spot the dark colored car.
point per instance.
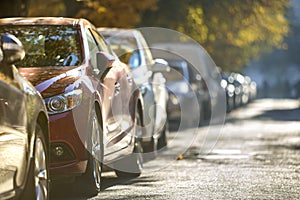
(184, 105)
(229, 90)
(206, 77)
(133, 50)
(93, 104)
(24, 130)
(241, 93)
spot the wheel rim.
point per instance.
(138, 133)
(138, 145)
(40, 171)
(96, 152)
(139, 160)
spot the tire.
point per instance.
(163, 140)
(38, 184)
(207, 112)
(132, 165)
(202, 115)
(91, 181)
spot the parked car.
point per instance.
(229, 90)
(24, 130)
(93, 103)
(242, 90)
(184, 104)
(237, 90)
(133, 50)
(205, 72)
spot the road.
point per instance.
(256, 156)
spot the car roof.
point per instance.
(42, 21)
(118, 31)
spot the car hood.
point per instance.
(51, 81)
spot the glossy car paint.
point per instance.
(183, 103)
(152, 85)
(109, 90)
(21, 108)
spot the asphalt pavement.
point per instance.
(254, 155)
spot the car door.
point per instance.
(143, 77)
(117, 88)
(13, 137)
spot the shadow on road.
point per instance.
(113, 181)
(280, 115)
(72, 191)
(267, 109)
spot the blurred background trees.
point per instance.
(105, 13)
(234, 32)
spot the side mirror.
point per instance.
(161, 65)
(12, 48)
(104, 60)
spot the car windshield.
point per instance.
(47, 45)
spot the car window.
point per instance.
(101, 42)
(145, 50)
(177, 72)
(93, 49)
(47, 45)
(126, 49)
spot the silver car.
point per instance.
(24, 130)
(131, 47)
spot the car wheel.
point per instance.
(150, 149)
(92, 179)
(38, 182)
(163, 140)
(132, 165)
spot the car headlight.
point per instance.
(223, 83)
(63, 102)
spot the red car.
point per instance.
(92, 101)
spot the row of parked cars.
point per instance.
(72, 107)
(76, 99)
(240, 89)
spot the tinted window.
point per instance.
(47, 45)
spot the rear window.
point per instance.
(47, 45)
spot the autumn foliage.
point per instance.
(234, 32)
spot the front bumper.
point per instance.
(68, 141)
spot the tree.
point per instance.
(11, 8)
(232, 31)
(116, 13)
